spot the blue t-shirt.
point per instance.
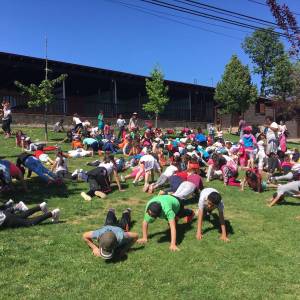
(89, 141)
(200, 137)
(119, 233)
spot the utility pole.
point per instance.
(46, 78)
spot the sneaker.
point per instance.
(135, 183)
(85, 196)
(55, 215)
(75, 173)
(100, 194)
(44, 207)
(10, 202)
(21, 206)
(189, 219)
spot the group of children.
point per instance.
(181, 161)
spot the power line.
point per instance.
(176, 16)
(208, 16)
(147, 11)
(264, 4)
(226, 12)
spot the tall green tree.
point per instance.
(41, 95)
(157, 93)
(264, 48)
(281, 81)
(235, 92)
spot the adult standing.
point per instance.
(121, 125)
(100, 121)
(242, 125)
(6, 118)
(271, 129)
(133, 122)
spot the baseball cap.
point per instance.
(107, 244)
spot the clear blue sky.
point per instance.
(104, 34)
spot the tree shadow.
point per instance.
(39, 191)
(181, 230)
(214, 220)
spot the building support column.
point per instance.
(190, 105)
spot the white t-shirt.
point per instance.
(6, 114)
(203, 199)
(170, 170)
(61, 167)
(78, 153)
(121, 122)
(108, 166)
(2, 217)
(270, 135)
(76, 120)
(260, 145)
(149, 162)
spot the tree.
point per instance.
(235, 92)
(264, 48)
(286, 20)
(41, 95)
(281, 80)
(157, 93)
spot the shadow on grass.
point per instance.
(289, 203)
(118, 258)
(181, 230)
(214, 220)
(39, 191)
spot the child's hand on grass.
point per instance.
(174, 248)
(96, 252)
(142, 241)
(199, 236)
(224, 238)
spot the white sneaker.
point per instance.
(44, 207)
(21, 206)
(74, 173)
(85, 196)
(100, 194)
(55, 215)
(10, 202)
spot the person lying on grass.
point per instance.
(13, 216)
(114, 239)
(169, 208)
(209, 200)
(291, 188)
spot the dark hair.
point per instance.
(215, 198)
(155, 208)
(40, 147)
(269, 118)
(251, 175)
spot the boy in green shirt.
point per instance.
(169, 208)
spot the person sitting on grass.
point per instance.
(291, 189)
(59, 126)
(114, 239)
(12, 218)
(169, 208)
(209, 200)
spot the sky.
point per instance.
(106, 34)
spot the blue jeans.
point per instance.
(37, 167)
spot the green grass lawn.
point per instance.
(261, 261)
